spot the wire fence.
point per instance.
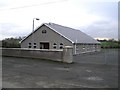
(105, 56)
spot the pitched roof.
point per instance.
(73, 35)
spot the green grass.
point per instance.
(110, 45)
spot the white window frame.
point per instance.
(34, 45)
(54, 45)
(29, 45)
(83, 47)
(61, 45)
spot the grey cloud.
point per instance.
(102, 29)
(9, 29)
(105, 9)
(108, 26)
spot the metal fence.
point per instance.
(105, 56)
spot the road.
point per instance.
(36, 73)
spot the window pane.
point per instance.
(61, 44)
(54, 47)
(44, 31)
(61, 47)
(54, 44)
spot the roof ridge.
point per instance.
(63, 26)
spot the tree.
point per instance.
(11, 42)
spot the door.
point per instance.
(44, 45)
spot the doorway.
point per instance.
(44, 45)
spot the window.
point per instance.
(61, 45)
(54, 45)
(93, 46)
(29, 45)
(44, 31)
(34, 45)
(98, 46)
(77, 49)
(87, 48)
(83, 46)
(41, 47)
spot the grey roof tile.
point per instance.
(74, 35)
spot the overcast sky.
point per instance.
(97, 18)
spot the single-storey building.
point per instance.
(54, 36)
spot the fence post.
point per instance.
(68, 54)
